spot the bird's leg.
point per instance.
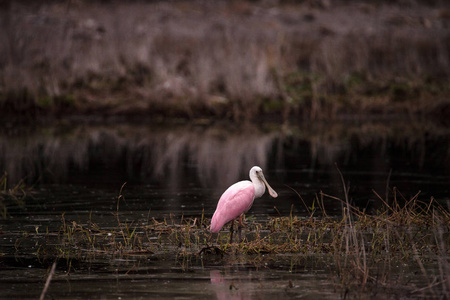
(231, 232)
(242, 220)
(240, 227)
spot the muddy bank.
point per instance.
(235, 60)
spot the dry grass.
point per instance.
(12, 195)
(396, 230)
(233, 60)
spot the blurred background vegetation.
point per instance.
(237, 60)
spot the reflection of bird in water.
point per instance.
(238, 199)
(226, 289)
(216, 277)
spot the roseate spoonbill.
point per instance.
(238, 199)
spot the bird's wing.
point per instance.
(237, 199)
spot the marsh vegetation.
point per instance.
(235, 60)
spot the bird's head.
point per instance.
(258, 173)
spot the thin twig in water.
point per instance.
(120, 196)
(345, 195)
(47, 283)
(387, 186)
(355, 210)
(382, 200)
(303, 201)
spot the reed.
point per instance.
(14, 195)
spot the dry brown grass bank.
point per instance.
(229, 59)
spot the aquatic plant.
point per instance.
(14, 196)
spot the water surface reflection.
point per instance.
(160, 155)
(411, 156)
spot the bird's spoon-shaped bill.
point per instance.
(271, 190)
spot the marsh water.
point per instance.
(78, 169)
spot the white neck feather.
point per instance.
(260, 187)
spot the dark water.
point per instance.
(185, 168)
(181, 170)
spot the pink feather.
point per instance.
(236, 200)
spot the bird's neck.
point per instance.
(260, 188)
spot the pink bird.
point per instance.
(238, 199)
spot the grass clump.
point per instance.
(14, 196)
(397, 230)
